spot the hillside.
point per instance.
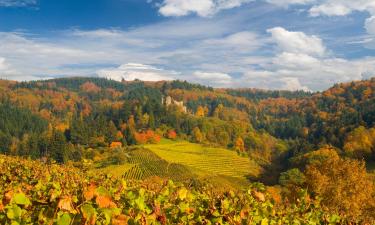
(290, 141)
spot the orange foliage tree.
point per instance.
(239, 144)
(344, 186)
(172, 134)
(145, 137)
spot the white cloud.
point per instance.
(297, 42)
(202, 8)
(342, 7)
(319, 74)
(293, 84)
(3, 65)
(17, 3)
(286, 3)
(100, 33)
(295, 61)
(241, 41)
(132, 71)
(330, 10)
(221, 51)
(212, 78)
(302, 64)
(370, 25)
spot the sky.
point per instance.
(273, 44)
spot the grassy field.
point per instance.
(181, 160)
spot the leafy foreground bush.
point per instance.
(34, 193)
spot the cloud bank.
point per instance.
(217, 50)
(202, 8)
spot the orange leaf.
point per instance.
(66, 204)
(89, 194)
(105, 202)
(120, 220)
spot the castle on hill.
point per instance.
(168, 101)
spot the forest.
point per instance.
(299, 157)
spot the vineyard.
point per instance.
(181, 161)
(36, 193)
(148, 164)
(207, 160)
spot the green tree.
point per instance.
(58, 147)
(197, 135)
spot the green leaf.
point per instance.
(264, 221)
(21, 199)
(14, 213)
(334, 219)
(216, 213)
(140, 203)
(102, 191)
(108, 215)
(64, 219)
(182, 193)
(88, 211)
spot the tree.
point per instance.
(111, 134)
(343, 184)
(292, 177)
(239, 145)
(360, 143)
(58, 147)
(223, 137)
(151, 121)
(200, 111)
(197, 135)
(78, 132)
(319, 156)
(90, 87)
(292, 181)
(172, 134)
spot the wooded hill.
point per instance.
(323, 141)
(96, 111)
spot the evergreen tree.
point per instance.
(58, 147)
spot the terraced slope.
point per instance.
(206, 160)
(146, 164)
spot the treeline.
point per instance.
(257, 95)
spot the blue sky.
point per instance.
(273, 44)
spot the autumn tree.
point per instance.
(239, 145)
(343, 185)
(360, 143)
(197, 135)
(321, 155)
(172, 134)
(145, 137)
(130, 131)
(200, 111)
(90, 87)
